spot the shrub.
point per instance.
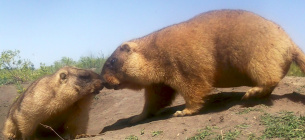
(14, 70)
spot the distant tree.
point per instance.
(13, 68)
(66, 61)
(92, 62)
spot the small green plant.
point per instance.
(230, 135)
(243, 126)
(295, 71)
(142, 131)
(156, 133)
(250, 109)
(132, 137)
(203, 133)
(254, 137)
(20, 88)
(284, 125)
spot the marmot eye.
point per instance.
(112, 61)
(84, 75)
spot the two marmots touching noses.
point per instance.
(222, 48)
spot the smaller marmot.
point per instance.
(61, 100)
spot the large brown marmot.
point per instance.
(61, 100)
(225, 48)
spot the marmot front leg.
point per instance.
(10, 129)
(76, 127)
(27, 125)
(157, 96)
(78, 120)
(193, 100)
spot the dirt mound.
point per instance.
(223, 109)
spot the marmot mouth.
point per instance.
(116, 87)
(97, 91)
(108, 86)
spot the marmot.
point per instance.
(222, 48)
(61, 100)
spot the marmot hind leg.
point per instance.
(258, 92)
(266, 79)
(157, 96)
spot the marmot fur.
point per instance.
(222, 48)
(61, 100)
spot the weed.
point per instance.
(132, 137)
(250, 109)
(20, 88)
(243, 126)
(283, 125)
(156, 133)
(295, 71)
(253, 137)
(142, 131)
(203, 133)
(231, 135)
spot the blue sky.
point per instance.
(45, 31)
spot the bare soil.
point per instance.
(112, 109)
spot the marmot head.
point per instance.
(82, 81)
(123, 68)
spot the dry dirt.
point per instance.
(111, 111)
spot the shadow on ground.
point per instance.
(214, 103)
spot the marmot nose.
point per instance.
(107, 85)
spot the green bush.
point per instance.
(14, 70)
(295, 71)
(92, 62)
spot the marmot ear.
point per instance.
(125, 47)
(63, 76)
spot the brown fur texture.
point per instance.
(61, 100)
(223, 48)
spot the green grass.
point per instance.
(243, 126)
(142, 132)
(249, 109)
(156, 133)
(230, 135)
(254, 137)
(208, 133)
(295, 71)
(132, 137)
(284, 125)
(20, 88)
(203, 133)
